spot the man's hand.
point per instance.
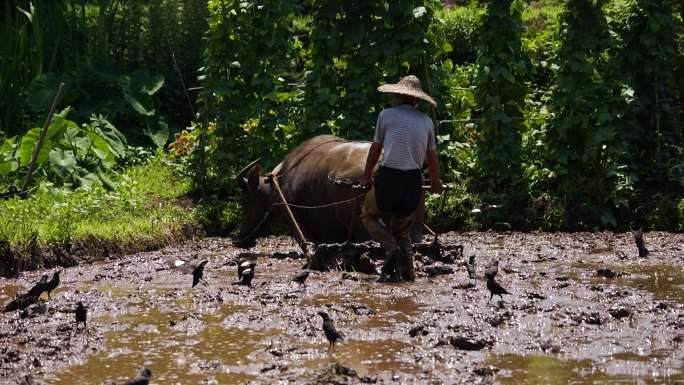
(436, 186)
(373, 156)
(366, 180)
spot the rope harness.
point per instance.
(274, 204)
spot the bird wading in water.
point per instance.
(198, 273)
(81, 314)
(331, 334)
(143, 378)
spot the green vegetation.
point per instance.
(143, 211)
(564, 115)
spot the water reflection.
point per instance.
(177, 349)
(8, 292)
(663, 281)
(548, 370)
(367, 357)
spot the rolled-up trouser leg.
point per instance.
(401, 228)
(370, 217)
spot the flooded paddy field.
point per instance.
(563, 324)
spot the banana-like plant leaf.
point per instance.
(28, 142)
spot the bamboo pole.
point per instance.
(41, 139)
(301, 241)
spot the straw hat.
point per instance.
(408, 85)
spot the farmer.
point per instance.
(407, 137)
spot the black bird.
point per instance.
(22, 301)
(244, 264)
(53, 283)
(39, 288)
(143, 378)
(81, 314)
(301, 277)
(494, 288)
(492, 270)
(198, 273)
(331, 334)
(246, 276)
(471, 266)
(641, 246)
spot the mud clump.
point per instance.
(620, 312)
(435, 270)
(607, 273)
(465, 343)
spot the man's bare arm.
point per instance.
(371, 161)
(433, 166)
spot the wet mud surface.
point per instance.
(564, 322)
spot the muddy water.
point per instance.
(665, 282)
(563, 324)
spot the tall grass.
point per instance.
(143, 207)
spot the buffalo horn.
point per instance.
(239, 177)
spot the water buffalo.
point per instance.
(305, 177)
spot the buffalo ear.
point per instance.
(253, 177)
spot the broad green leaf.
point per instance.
(82, 144)
(160, 136)
(7, 167)
(28, 142)
(141, 103)
(87, 181)
(113, 137)
(145, 82)
(63, 163)
(137, 89)
(102, 150)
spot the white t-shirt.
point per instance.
(405, 134)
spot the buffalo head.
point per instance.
(256, 199)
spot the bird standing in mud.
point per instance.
(494, 288)
(52, 284)
(246, 276)
(492, 270)
(143, 378)
(245, 272)
(81, 314)
(639, 240)
(301, 277)
(39, 287)
(471, 267)
(22, 301)
(331, 334)
(198, 273)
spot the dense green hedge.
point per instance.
(567, 114)
(96, 47)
